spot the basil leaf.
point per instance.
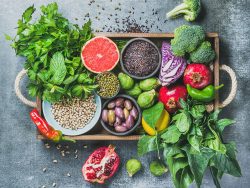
(58, 68)
(222, 123)
(153, 114)
(172, 135)
(147, 144)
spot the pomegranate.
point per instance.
(101, 164)
(170, 97)
(197, 75)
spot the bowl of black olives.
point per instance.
(121, 115)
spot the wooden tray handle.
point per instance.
(233, 91)
(19, 77)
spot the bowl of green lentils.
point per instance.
(109, 85)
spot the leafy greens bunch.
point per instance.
(52, 46)
(192, 143)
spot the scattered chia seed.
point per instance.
(140, 58)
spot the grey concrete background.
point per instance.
(22, 157)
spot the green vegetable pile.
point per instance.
(192, 143)
(51, 46)
(191, 40)
(144, 91)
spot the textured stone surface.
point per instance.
(22, 157)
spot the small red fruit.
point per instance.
(101, 164)
(170, 97)
(197, 75)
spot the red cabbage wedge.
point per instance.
(172, 67)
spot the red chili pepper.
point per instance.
(45, 129)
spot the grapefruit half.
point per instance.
(100, 54)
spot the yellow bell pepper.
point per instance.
(161, 124)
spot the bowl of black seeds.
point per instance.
(140, 58)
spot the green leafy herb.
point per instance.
(51, 46)
(192, 143)
(120, 43)
(172, 135)
(147, 144)
(152, 115)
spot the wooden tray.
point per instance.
(99, 133)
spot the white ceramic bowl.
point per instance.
(47, 112)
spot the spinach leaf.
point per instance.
(198, 163)
(227, 162)
(197, 111)
(172, 135)
(183, 121)
(222, 123)
(194, 141)
(187, 178)
(216, 176)
(153, 114)
(147, 144)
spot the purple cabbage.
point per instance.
(172, 67)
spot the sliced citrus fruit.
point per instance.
(100, 54)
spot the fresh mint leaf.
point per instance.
(172, 135)
(27, 15)
(58, 68)
(70, 79)
(32, 89)
(153, 114)
(50, 34)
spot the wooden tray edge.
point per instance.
(149, 35)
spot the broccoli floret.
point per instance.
(187, 39)
(203, 54)
(189, 8)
